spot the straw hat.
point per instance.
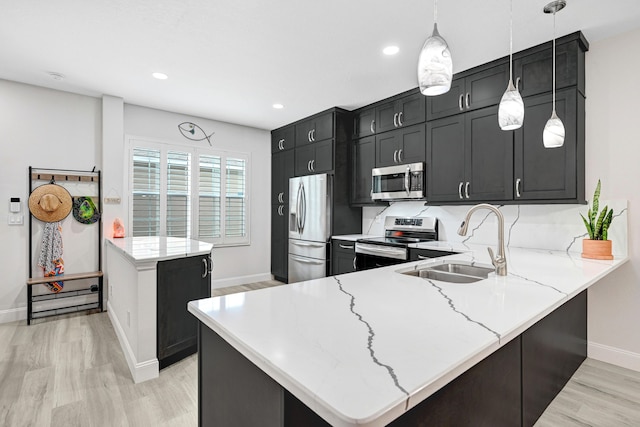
(50, 203)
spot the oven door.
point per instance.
(370, 256)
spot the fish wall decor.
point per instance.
(194, 132)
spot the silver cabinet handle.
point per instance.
(309, 165)
(206, 268)
(281, 144)
(423, 257)
(395, 120)
(518, 83)
(345, 246)
(313, 135)
(400, 118)
(460, 190)
(395, 156)
(400, 156)
(313, 165)
(467, 100)
(460, 102)
(466, 190)
(518, 181)
(373, 128)
(280, 196)
(280, 210)
(309, 136)
(354, 263)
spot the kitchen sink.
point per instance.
(452, 272)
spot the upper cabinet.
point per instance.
(364, 123)
(402, 146)
(403, 111)
(315, 129)
(533, 69)
(471, 91)
(282, 139)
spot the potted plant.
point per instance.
(597, 246)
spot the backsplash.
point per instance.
(553, 227)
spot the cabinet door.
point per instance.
(178, 282)
(282, 139)
(445, 159)
(488, 158)
(549, 173)
(363, 160)
(322, 127)
(386, 117)
(303, 157)
(448, 103)
(365, 123)
(411, 109)
(387, 149)
(282, 168)
(485, 88)
(303, 132)
(535, 72)
(279, 241)
(323, 158)
(411, 144)
(343, 258)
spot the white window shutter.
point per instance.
(146, 192)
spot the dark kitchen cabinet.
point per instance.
(533, 69)
(343, 256)
(314, 158)
(477, 88)
(416, 254)
(364, 123)
(553, 174)
(552, 350)
(282, 168)
(178, 282)
(282, 139)
(469, 158)
(279, 242)
(317, 128)
(363, 160)
(402, 146)
(400, 112)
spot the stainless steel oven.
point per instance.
(399, 182)
(393, 248)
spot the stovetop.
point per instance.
(401, 231)
(394, 241)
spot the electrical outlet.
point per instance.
(112, 200)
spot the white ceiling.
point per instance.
(232, 60)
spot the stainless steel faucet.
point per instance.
(500, 261)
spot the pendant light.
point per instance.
(553, 134)
(511, 109)
(435, 68)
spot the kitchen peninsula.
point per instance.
(150, 281)
(371, 347)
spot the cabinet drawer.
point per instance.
(420, 254)
(343, 256)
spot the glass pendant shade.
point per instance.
(511, 109)
(435, 67)
(553, 134)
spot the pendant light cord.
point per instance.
(511, 41)
(554, 62)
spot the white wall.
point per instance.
(41, 128)
(238, 264)
(613, 155)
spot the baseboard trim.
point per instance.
(13, 314)
(240, 280)
(615, 356)
(140, 371)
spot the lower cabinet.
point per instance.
(343, 257)
(279, 242)
(178, 282)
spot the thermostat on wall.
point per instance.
(14, 205)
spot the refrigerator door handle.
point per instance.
(303, 218)
(298, 202)
(306, 260)
(308, 245)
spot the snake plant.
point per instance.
(597, 224)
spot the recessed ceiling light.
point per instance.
(160, 76)
(56, 76)
(391, 50)
(278, 106)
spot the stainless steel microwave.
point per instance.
(399, 182)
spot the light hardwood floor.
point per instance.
(70, 371)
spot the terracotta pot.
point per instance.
(596, 249)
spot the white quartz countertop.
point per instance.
(149, 249)
(353, 237)
(363, 348)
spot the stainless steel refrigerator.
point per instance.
(310, 199)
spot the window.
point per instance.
(189, 192)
